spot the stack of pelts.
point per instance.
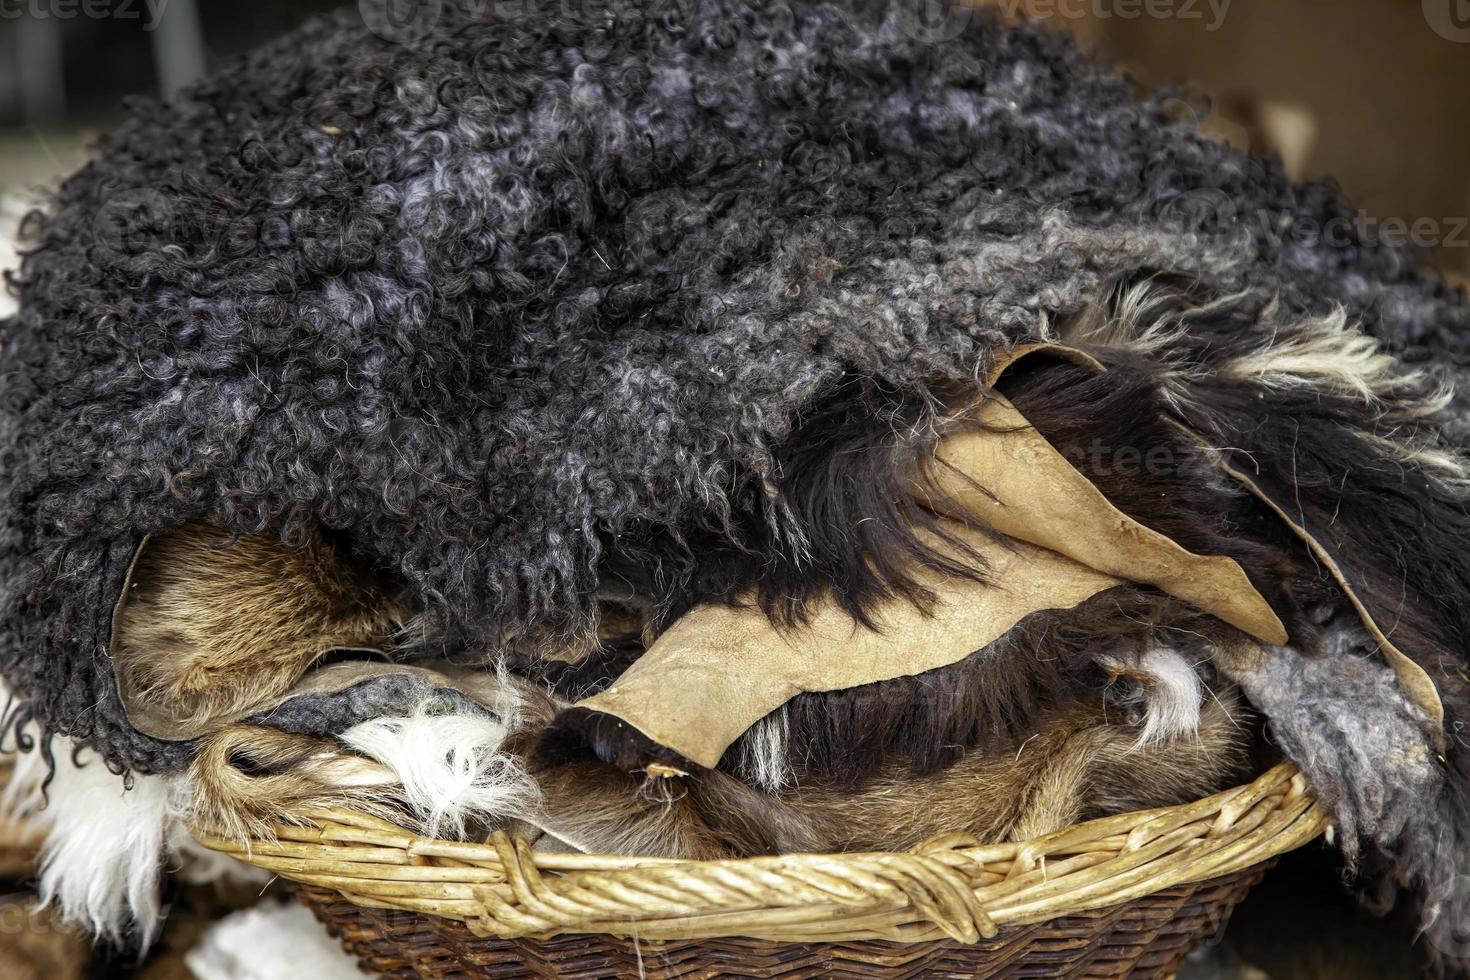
(731, 430)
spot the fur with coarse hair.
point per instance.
(213, 627)
(1088, 758)
(109, 842)
(672, 304)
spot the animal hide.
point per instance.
(560, 310)
(208, 627)
(1088, 758)
(999, 472)
(108, 842)
(639, 342)
(1083, 761)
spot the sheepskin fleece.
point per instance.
(557, 282)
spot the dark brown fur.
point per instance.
(1083, 761)
(1114, 429)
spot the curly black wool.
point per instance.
(590, 294)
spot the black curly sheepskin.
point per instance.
(592, 296)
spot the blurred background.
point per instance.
(66, 64)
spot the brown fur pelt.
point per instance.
(1084, 760)
(213, 626)
(1087, 760)
(246, 779)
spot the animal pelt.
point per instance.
(436, 768)
(109, 842)
(1380, 447)
(212, 626)
(269, 941)
(1362, 747)
(992, 700)
(546, 301)
(1361, 448)
(567, 302)
(102, 859)
(1089, 757)
(1080, 764)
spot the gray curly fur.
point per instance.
(1362, 746)
(543, 301)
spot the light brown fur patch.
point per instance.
(212, 627)
(246, 779)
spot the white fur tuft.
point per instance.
(450, 766)
(1172, 694)
(768, 766)
(1328, 353)
(106, 845)
(1174, 697)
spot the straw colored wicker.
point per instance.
(1132, 892)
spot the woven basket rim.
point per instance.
(952, 886)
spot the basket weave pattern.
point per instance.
(952, 887)
(1145, 938)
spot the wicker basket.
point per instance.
(1126, 895)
